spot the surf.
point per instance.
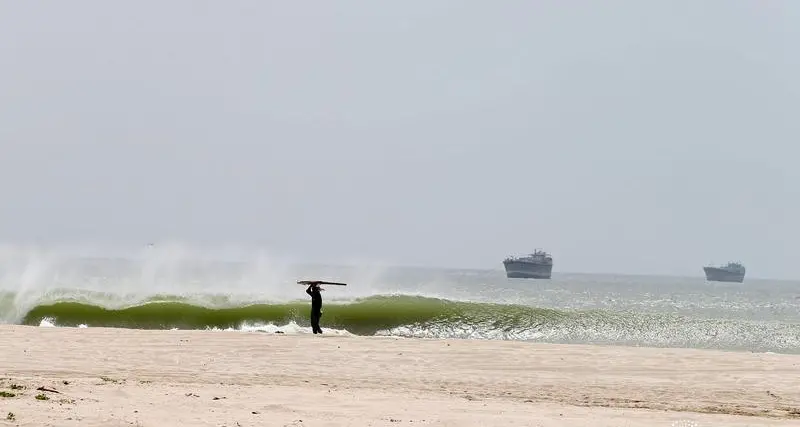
(426, 317)
(168, 288)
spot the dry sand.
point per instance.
(118, 377)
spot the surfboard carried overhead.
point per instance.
(319, 282)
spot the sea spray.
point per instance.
(31, 275)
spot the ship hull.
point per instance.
(527, 270)
(720, 275)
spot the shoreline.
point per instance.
(171, 377)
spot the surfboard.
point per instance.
(319, 282)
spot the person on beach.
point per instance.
(316, 306)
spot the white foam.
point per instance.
(47, 323)
(290, 328)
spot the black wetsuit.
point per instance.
(316, 308)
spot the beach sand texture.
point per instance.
(119, 377)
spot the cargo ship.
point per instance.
(730, 272)
(538, 265)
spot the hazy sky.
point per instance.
(622, 136)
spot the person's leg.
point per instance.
(315, 322)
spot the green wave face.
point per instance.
(363, 317)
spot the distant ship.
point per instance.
(538, 265)
(730, 272)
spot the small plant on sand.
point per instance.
(17, 387)
(6, 394)
(41, 396)
(11, 416)
(108, 380)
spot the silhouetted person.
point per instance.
(316, 307)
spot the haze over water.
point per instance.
(623, 137)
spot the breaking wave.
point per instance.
(414, 316)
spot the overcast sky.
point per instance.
(622, 136)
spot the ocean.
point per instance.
(176, 291)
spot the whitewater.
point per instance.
(174, 287)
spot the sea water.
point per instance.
(170, 289)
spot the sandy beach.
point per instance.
(105, 377)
